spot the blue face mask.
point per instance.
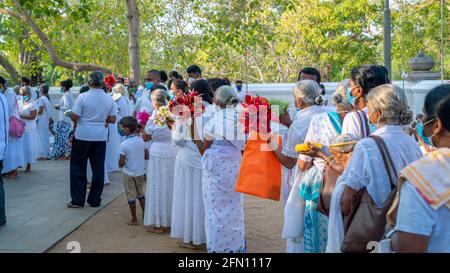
(372, 127)
(148, 85)
(239, 88)
(121, 132)
(171, 95)
(61, 90)
(25, 98)
(350, 98)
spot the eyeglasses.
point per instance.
(428, 121)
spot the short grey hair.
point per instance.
(393, 104)
(96, 79)
(25, 89)
(308, 91)
(340, 95)
(225, 95)
(120, 88)
(160, 97)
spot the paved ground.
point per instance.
(38, 220)
(108, 232)
(36, 207)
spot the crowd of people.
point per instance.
(183, 173)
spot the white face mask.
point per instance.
(190, 80)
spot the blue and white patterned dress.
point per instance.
(224, 215)
(322, 129)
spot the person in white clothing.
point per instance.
(4, 130)
(241, 92)
(221, 145)
(14, 151)
(188, 211)
(43, 121)
(91, 113)
(61, 148)
(160, 173)
(362, 80)
(28, 112)
(307, 98)
(388, 110)
(132, 158)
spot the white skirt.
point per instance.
(112, 149)
(159, 193)
(188, 211)
(43, 143)
(29, 147)
(14, 155)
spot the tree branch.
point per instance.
(13, 74)
(24, 17)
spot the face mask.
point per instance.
(148, 85)
(350, 98)
(190, 80)
(121, 132)
(239, 88)
(171, 95)
(25, 98)
(372, 127)
(133, 90)
(61, 90)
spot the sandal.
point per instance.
(73, 206)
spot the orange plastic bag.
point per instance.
(260, 171)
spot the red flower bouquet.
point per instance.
(142, 117)
(256, 115)
(110, 81)
(187, 103)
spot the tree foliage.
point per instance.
(253, 40)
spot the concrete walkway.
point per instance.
(36, 211)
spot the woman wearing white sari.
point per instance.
(221, 149)
(14, 150)
(188, 210)
(160, 173)
(43, 121)
(388, 110)
(305, 93)
(28, 112)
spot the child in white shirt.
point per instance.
(133, 153)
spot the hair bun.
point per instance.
(318, 100)
(406, 117)
(337, 98)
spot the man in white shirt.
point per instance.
(240, 90)
(91, 113)
(4, 128)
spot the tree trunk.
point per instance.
(23, 16)
(13, 74)
(133, 40)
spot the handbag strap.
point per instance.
(363, 123)
(387, 159)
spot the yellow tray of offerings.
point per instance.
(306, 147)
